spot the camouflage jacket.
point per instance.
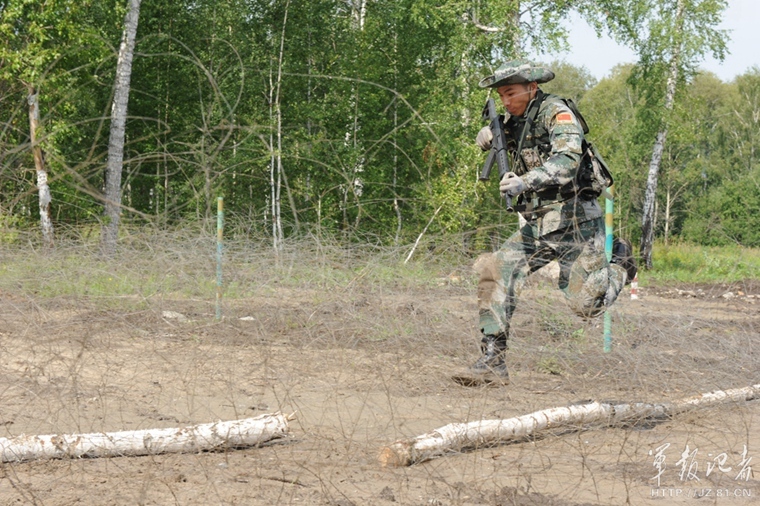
(548, 164)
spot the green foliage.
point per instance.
(703, 264)
(654, 31)
(728, 215)
(610, 109)
(9, 229)
(376, 110)
(571, 81)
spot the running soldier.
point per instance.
(553, 184)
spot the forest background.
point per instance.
(356, 118)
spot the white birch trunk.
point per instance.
(396, 203)
(193, 439)
(276, 169)
(359, 12)
(282, 175)
(648, 218)
(112, 211)
(43, 189)
(667, 216)
(419, 237)
(272, 174)
(456, 437)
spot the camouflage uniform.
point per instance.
(555, 221)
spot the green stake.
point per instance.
(608, 224)
(219, 238)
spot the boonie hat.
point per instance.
(518, 71)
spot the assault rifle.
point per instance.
(498, 153)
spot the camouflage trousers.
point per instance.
(590, 283)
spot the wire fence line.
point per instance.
(361, 347)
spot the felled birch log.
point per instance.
(192, 439)
(457, 437)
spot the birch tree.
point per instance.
(276, 172)
(648, 215)
(112, 207)
(43, 189)
(191, 439)
(458, 437)
(670, 38)
(34, 36)
(690, 35)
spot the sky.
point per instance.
(599, 56)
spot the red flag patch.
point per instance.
(564, 118)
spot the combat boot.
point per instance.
(491, 365)
(622, 255)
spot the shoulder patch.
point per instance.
(564, 118)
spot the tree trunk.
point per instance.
(112, 211)
(193, 439)
(648, 218)
(667, 216)
(456, 437)
(274, 179)
(282, 175)
(396, 203)
(359, 12)
(43, 189)
(276, 173)
(517, 45)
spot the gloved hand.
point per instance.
(511, 185)
(484, 138)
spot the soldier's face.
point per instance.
(516, 97)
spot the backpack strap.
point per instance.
(574, 108)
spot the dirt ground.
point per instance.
(362, 367)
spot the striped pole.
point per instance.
(608, 224)
(219, 242)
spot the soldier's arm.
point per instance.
(566, 137)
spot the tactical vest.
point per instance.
(533, 141)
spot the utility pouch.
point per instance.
(594, 177)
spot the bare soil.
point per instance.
(364, 366)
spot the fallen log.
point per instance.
(196, 438)
(457, 437)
